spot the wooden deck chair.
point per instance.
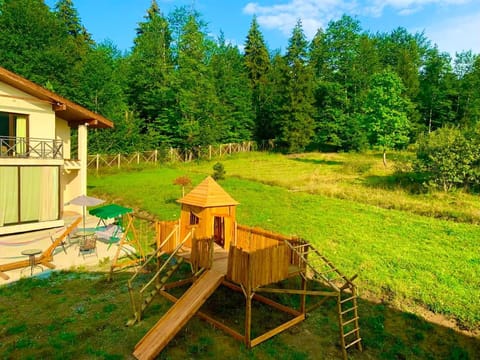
(45, 258)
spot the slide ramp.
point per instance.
(178, 315)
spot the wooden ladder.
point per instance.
(322, 270)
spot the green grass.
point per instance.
(401, 257)
(89, 323)
(406, 263)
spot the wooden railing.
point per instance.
(21, 147)
(258, 268)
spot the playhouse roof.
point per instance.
(208, 194)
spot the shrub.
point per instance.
(218, 171)
(450, 158)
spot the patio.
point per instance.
(12, 246)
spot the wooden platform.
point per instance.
(178, 315)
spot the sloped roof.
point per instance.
(65, 109)
(208, 194)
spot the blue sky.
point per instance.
(454, 25)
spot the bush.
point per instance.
(450, 158)
(218, 171)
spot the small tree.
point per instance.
(218, 172)
(386, 110)
(183, 181)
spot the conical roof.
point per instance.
(208, 194)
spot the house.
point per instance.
(37, 172)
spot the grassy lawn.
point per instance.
(401, 257)
(408, 265)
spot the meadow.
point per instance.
(417, 274)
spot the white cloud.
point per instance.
(313, 14)
(406, 7)
(453, 35)
(456, 34)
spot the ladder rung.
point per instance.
(350, 321)
(327, 271)
(348, 310)
(348, 299)
(351, 332)
(353, 343)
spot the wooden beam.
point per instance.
(4, 276)
(297, 292)
(208, 318)
(277, 330)
(58, 106)
(221, 326)
(276, 305)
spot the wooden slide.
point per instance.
(178, 315)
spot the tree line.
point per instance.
(347, 89)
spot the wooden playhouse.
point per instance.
(248, 260)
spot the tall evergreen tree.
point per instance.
(233, 93)
(435, 90)
(257, 61)
(195, 91)
(295, 122)
(150, 71)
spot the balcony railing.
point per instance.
(20, 147)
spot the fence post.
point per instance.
(155, 156)
(209, 152)
(97, 162)
(138, 157)
(118, 161)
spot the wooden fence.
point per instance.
(170, 155)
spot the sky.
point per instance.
(454, 25)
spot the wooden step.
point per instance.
(350, 321)
(348, 310)
(353, 343)
(348, 299)
(351, 332)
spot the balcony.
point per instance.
(20, 147)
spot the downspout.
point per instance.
(82, 157)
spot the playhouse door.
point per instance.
(219, 230)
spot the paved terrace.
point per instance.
(11, 247)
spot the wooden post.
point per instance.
(248, 318)
(97, 162)
(209, 152)
(138, 157)
(303, 297)
(119, 161)
(155, 154)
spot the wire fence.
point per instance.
(172, 155)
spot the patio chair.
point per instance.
(87, 245)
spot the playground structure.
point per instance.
(248, 260)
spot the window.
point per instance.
(13, 133)
(194, 220)
(29, 194)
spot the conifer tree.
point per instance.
(296, 120)
(233, 92)
(150, 77)
(197, 122)
(257, 61)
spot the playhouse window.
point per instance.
(194, 220)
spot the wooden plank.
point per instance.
(178, 315)
(297, 292)
(277, 330)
